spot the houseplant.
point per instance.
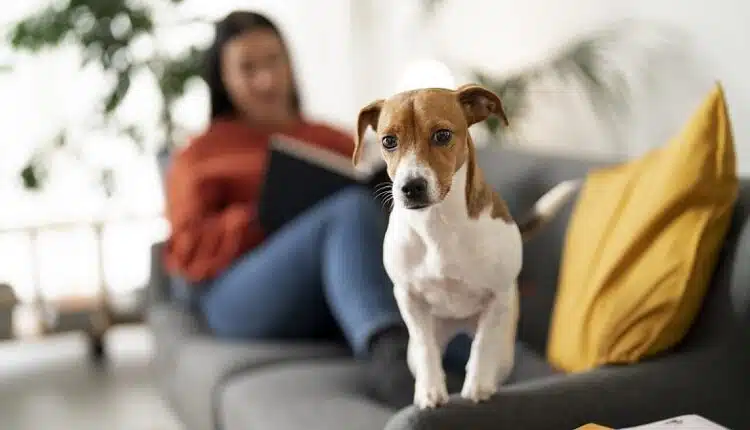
(105, 31)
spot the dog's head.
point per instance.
(424, 138)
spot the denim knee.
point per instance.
(355, 199)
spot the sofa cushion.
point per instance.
(315, 395)
(192, 365)
(643, 244)
(327, 394)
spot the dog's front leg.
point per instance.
(492, 350)
(424, 354)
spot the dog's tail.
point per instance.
(545, 209)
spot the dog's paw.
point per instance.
(477, 391)
(430, 394)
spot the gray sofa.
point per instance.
(217, 384)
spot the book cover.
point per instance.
(300, 175)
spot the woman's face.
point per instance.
(257, 75)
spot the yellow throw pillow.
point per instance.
(642, 244)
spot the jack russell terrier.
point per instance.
(452, 249)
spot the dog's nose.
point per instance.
(415, 189)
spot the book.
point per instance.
(683, 422)
(300, 175)
(686, 422)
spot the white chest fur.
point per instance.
(453, 263)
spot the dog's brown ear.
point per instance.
(479, 103)
(368, 117)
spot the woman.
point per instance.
(319, 276)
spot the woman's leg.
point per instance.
(357, 288)
(328, 260)
(325, 265)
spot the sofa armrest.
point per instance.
(740, 279)
(158, 282)
(710, 382)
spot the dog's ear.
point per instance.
(368, 117)
(478, 103)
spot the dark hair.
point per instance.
(234, 24)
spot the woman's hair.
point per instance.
(233, 25)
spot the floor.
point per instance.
(51, 383)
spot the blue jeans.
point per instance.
(318, 277)
(321, 276)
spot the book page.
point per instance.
(326, 158)
(684, 422)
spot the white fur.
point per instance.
(451, 274)
(410, 167)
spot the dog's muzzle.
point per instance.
(415, 193)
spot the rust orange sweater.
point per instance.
(212, 190)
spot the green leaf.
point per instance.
(106, 8)
(43, 29)
(34, 174)
(108, 183)
(176, 74)
(61, 140)
(135, 135)
(141, 21)
(118, 93)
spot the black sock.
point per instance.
(389, 374)
(389, 377)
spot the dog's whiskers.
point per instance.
(388, 202)
(383, 186)
(384, 193)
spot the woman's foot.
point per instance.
(389, 376)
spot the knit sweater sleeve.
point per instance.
(207, 236)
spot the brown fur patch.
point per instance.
(500, 209)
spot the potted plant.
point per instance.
(8, 303)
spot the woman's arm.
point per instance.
(207, 234)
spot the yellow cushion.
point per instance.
(642, 245)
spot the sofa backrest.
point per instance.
(522, 176)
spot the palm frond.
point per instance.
(590, 65)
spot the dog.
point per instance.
(451, 248)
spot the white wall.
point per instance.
(502, 35)
(319, 35)
(721, 32)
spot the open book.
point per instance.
(299, 175)
(684, 422)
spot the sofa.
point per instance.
(315, 385)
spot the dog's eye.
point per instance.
(389, 142)
(442, 137)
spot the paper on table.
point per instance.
(683, 422)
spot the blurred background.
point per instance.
(93, 90)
